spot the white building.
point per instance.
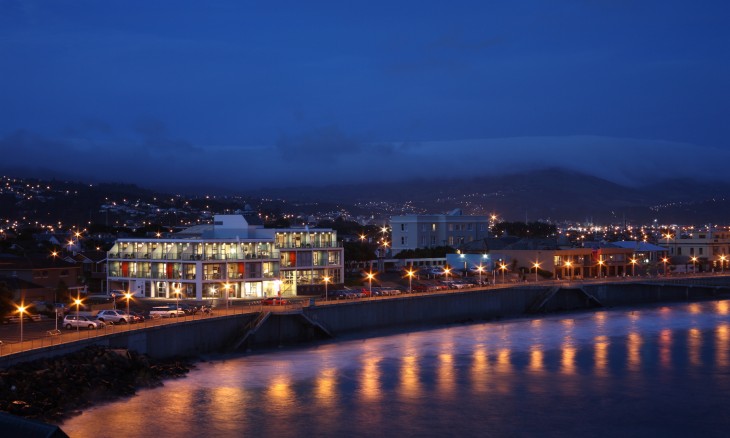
(248, 261)
(426, 231)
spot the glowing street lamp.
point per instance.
(410, 280)
(570, 269)
(722, 263)
(503, 267)
(447, 271)
(665, 260)
(600, 268)
(77, 302)
(370, 283)
(480, 269)
(21, 311)
(694, 265)
(128, 295)
(326, 280)
(536, 265)
(633, 267)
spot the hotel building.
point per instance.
(246, 260)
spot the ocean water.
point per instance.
(643, 372)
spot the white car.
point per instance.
(166, 312)
(82, 321)
(113, 316)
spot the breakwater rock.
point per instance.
(52, 389)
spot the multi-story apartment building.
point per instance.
(425, 231)
(229, 255)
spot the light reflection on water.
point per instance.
(650, 371)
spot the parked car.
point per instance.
(136, 316)
(171, 311)
(82, 321)
(274, 301)
(113, 316)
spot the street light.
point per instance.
(370, 282)
(447, 271)
(694, 265)
(77, 302)
(722, 264)
(570, 269)
(503, 267)
(665, 260)
(326, 280)
(536, 266)
(633, 267)
(410, 280)
(21, 310)
(600, 268)
(480, 269)
(127, 295)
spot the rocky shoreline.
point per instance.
(53, 389)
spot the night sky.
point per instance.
(169, 94)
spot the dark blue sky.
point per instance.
(255, 94)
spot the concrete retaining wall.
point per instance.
(203, 336)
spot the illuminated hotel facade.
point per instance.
(248, 261)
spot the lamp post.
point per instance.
(600, 268)
(722, 264)
(694, 265)
(326, 280)
(370, 283)
(537, 266)
(21, 310)
(77, 301)
(480, 269)
(665, 260)
(570, 269)
(633, 267)
(447, 271)
(127, 295)
(410, 281)
(503, 267)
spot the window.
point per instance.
(433, 240)
(434, 227)
(679, 251)
(451, 227)
(451, 240)
(423, 240)
(469, 227)
(404, 240)
(700, 251)
(404, 227)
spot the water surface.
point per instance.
(661, 371)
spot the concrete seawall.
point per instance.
(218, 334)
(480, 305)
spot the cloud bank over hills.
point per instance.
(151, 158)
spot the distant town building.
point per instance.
(41, 278)
(710, 248)
(233, 255)
(427, 231)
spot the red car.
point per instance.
(274, 301)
